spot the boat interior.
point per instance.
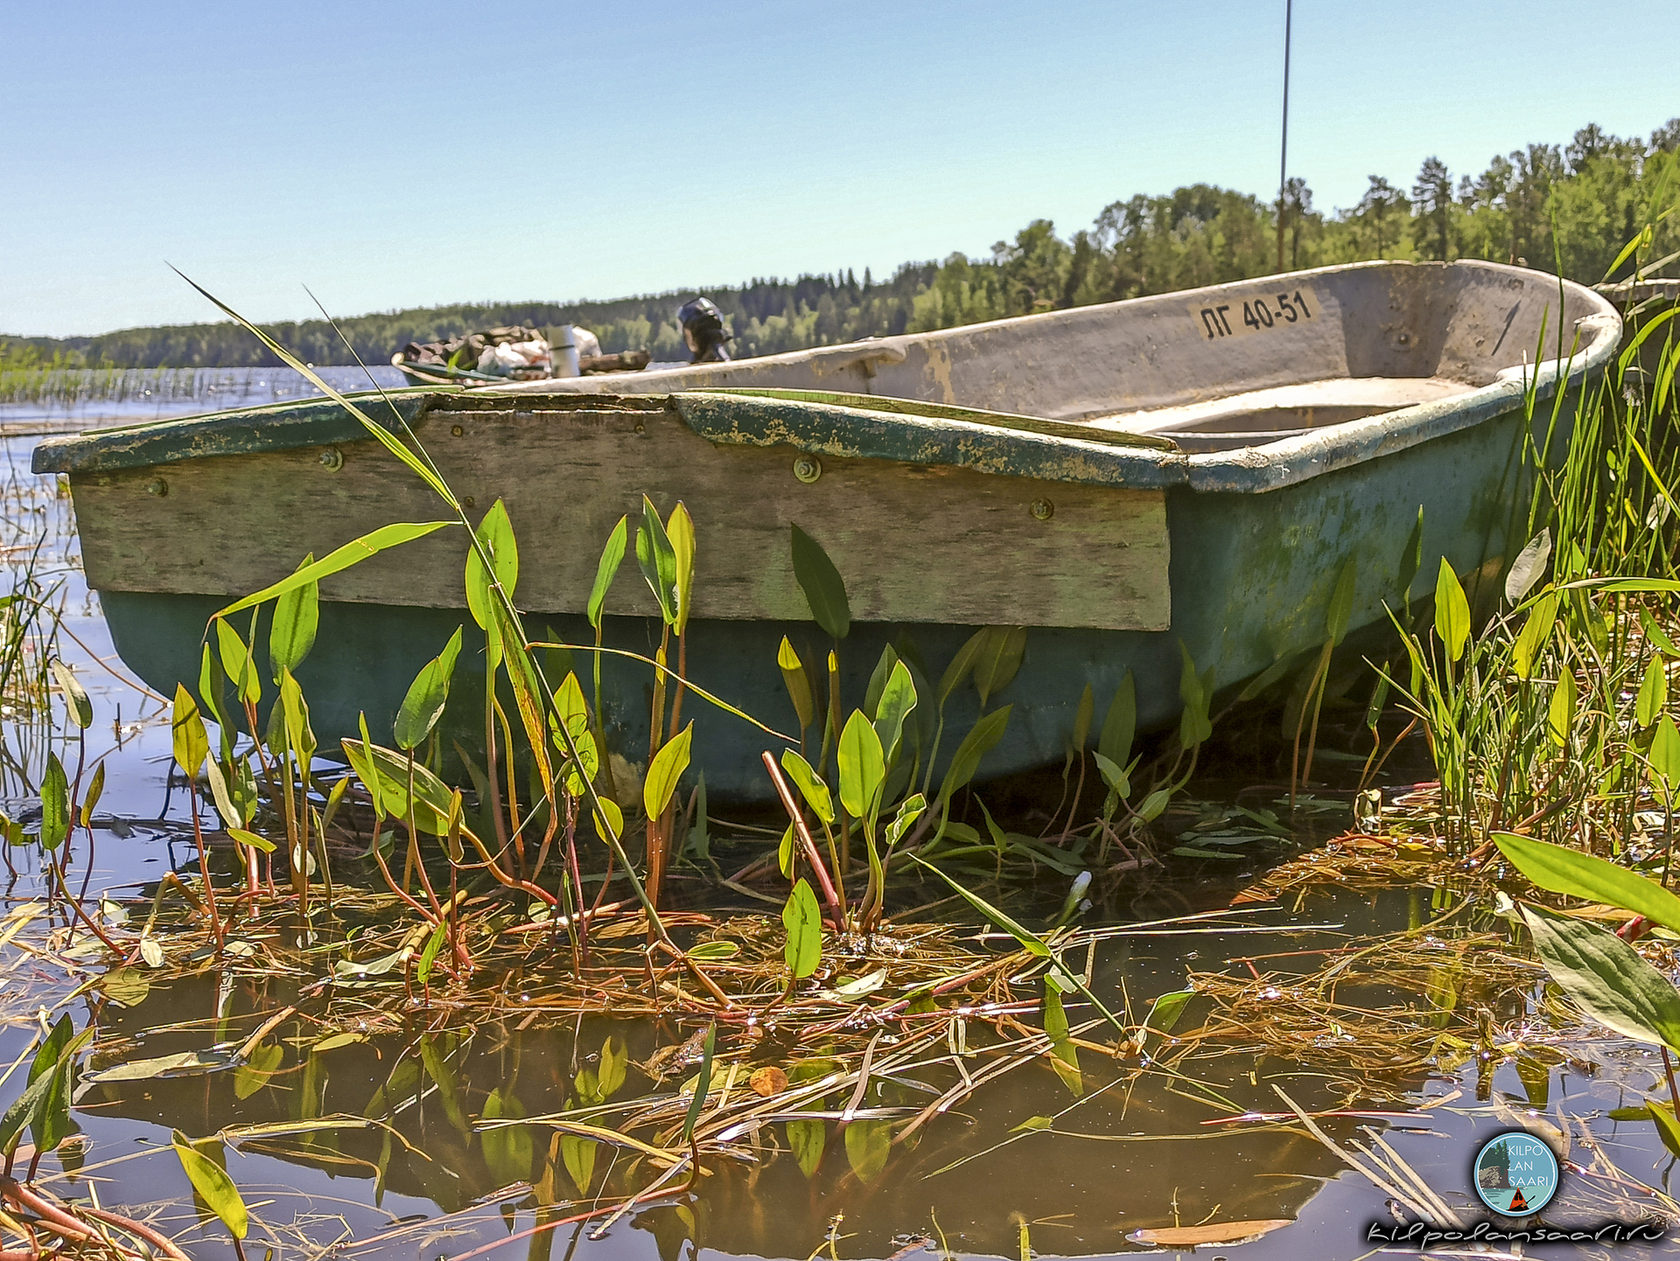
(1233, 366)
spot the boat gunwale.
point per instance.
(727, 417)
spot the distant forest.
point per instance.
(1567, 209)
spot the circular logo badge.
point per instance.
(1515, 1174)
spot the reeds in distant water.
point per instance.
(66, 389)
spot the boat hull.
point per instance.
(1196, 491)
(1251, 576)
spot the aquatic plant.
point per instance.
(1553, 716)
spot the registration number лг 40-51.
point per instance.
(1254, 315)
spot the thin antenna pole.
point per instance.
(1283, 157)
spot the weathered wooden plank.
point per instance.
(915, 543)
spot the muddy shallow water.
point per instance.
(373, 1146)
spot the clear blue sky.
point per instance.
(392, 155)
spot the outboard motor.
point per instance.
(702, 326)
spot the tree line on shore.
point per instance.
(1567, 209)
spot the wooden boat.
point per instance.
(1184, 475)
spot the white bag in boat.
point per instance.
(511, 357)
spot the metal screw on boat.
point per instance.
(158, 487)
(807, 468)
(1042, 509)
(332, 459)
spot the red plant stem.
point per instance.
(392, 880)
(204, 865)
(78, 910)
(1673, 1090)
(783, 791)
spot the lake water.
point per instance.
(84, 398)
(369, 1144)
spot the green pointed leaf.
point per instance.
(52, 1048)
(798, 681)
(1580, 875)
(1025, 938)
(297, 616)
(1194, 725)
(222, 796)
(1114, 776)
(295, 711)
(962, 665)
(802, 918)
(784, 853)
(810, 785)
(980, 740)
(213, 1185)
(868, 1144)
(260, 843)
(1341, 602)
(1165, 1011)
(1082, 716)
(1120, 723)
(862, 766)
(186, 729)
(50, 1122)
(573, 711)
(825, 590)
(76, 701)
(95, 790)
(1452, 612)
(211, 693)
(613, 1067)
(352, 553)
(427, 695)
(1665, 761)
(998, 659)
(1653, 693)
(807, 1139)
(1536, 630)
(254, 1074)
(680, 530)
(1668, 1129)
(1560, 712)
(55, 803)
(1656, 635)
(1064, 1055)
(658, 560)
(612, 555)
(1606, 978)
(578, 1155)
(1154, 805)
(702, 1085)
(384, 772)
(237, 662)
(508, 1149)
(495, 535)
(909, 810)
(665, 771)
